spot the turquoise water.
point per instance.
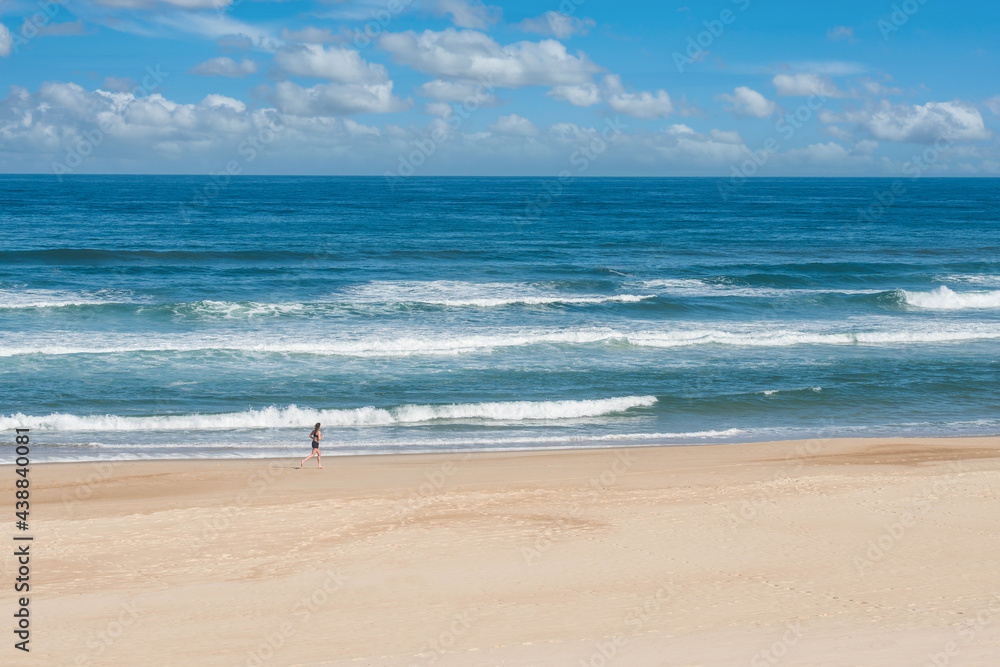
(174, 316)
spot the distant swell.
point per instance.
(295, 417)
(945, 299)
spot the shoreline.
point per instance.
(831, 552)
(624, 444)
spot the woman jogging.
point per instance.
(315, 436)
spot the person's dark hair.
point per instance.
(317, 424)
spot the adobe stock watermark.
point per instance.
(779, 648)
(425, 493)
(86, 487)
(410, 161)
(697, 45)
(582, 157)
(248, 150)
(447, 639)
(84, 147)
(379, 22)
(915, 167)
(623, 460)
(33, 24)
(309, 604)
(786, 127)
(750, 508)
(221, 519)
(901, 13)
(635, 621)
(102, 640)
(921, 506)
(968, 632)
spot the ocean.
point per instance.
(190, 317)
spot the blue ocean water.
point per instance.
(184, 317)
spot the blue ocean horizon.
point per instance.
(190, 316)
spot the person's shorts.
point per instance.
(315, 445)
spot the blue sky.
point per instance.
(728, 88)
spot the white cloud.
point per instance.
(822, 154)
(873, 87)
(454, 91)
(438, 109)
(337, 99)
(917, 123)
(472, 55)
(748, 102)
(805, 84)
(225, 67)
(468, 13)
(334, 63)
(926, 123)
(556, 24)
(514, 125)
(993, 104)
(726, 137)
(212, 100)
(5, 41)
(643, 105)
(583, 95)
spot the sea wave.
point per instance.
(293, 416)
(19, 299)
(944, 298)
(443, 344)
(457, 293)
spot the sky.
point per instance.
(726, 88)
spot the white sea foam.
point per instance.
(688, 287)
(772, 392)
(484, 295)
(296, 417)
(387, 345)
(44, 298)
(945, 299)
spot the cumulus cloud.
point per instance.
(337, 99)
(458, 91)
(471, 55)
(583, 95)
(917, 123)
(805, 84)
(748, 102)
(5, 41)
(438, 109)
(726, 137)
(334, 63)
(993, 104)
(644, 105)
(514, 125)
(468, 13)
(556, 24)
(225, 67)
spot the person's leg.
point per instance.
(319, 459)
(303, 461)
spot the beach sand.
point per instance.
(826, 552)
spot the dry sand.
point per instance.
(833, 552)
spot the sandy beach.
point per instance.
(824, 552)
